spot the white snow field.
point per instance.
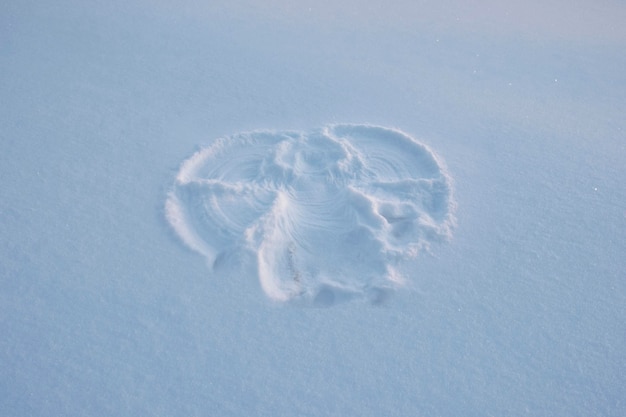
(273, 208)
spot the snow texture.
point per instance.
(328, 214)
(104, 312)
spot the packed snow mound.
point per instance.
(328, 214)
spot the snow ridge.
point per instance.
(328, 214)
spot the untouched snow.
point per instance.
(104, 310)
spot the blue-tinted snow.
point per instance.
(104, 312)
(325, 216)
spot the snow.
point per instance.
(327, 214)
(516, 310)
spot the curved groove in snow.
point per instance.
(328, 214)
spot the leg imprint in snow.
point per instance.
(329, 214)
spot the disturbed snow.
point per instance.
(328, 215)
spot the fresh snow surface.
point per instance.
(327, 214)
(277, 208)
